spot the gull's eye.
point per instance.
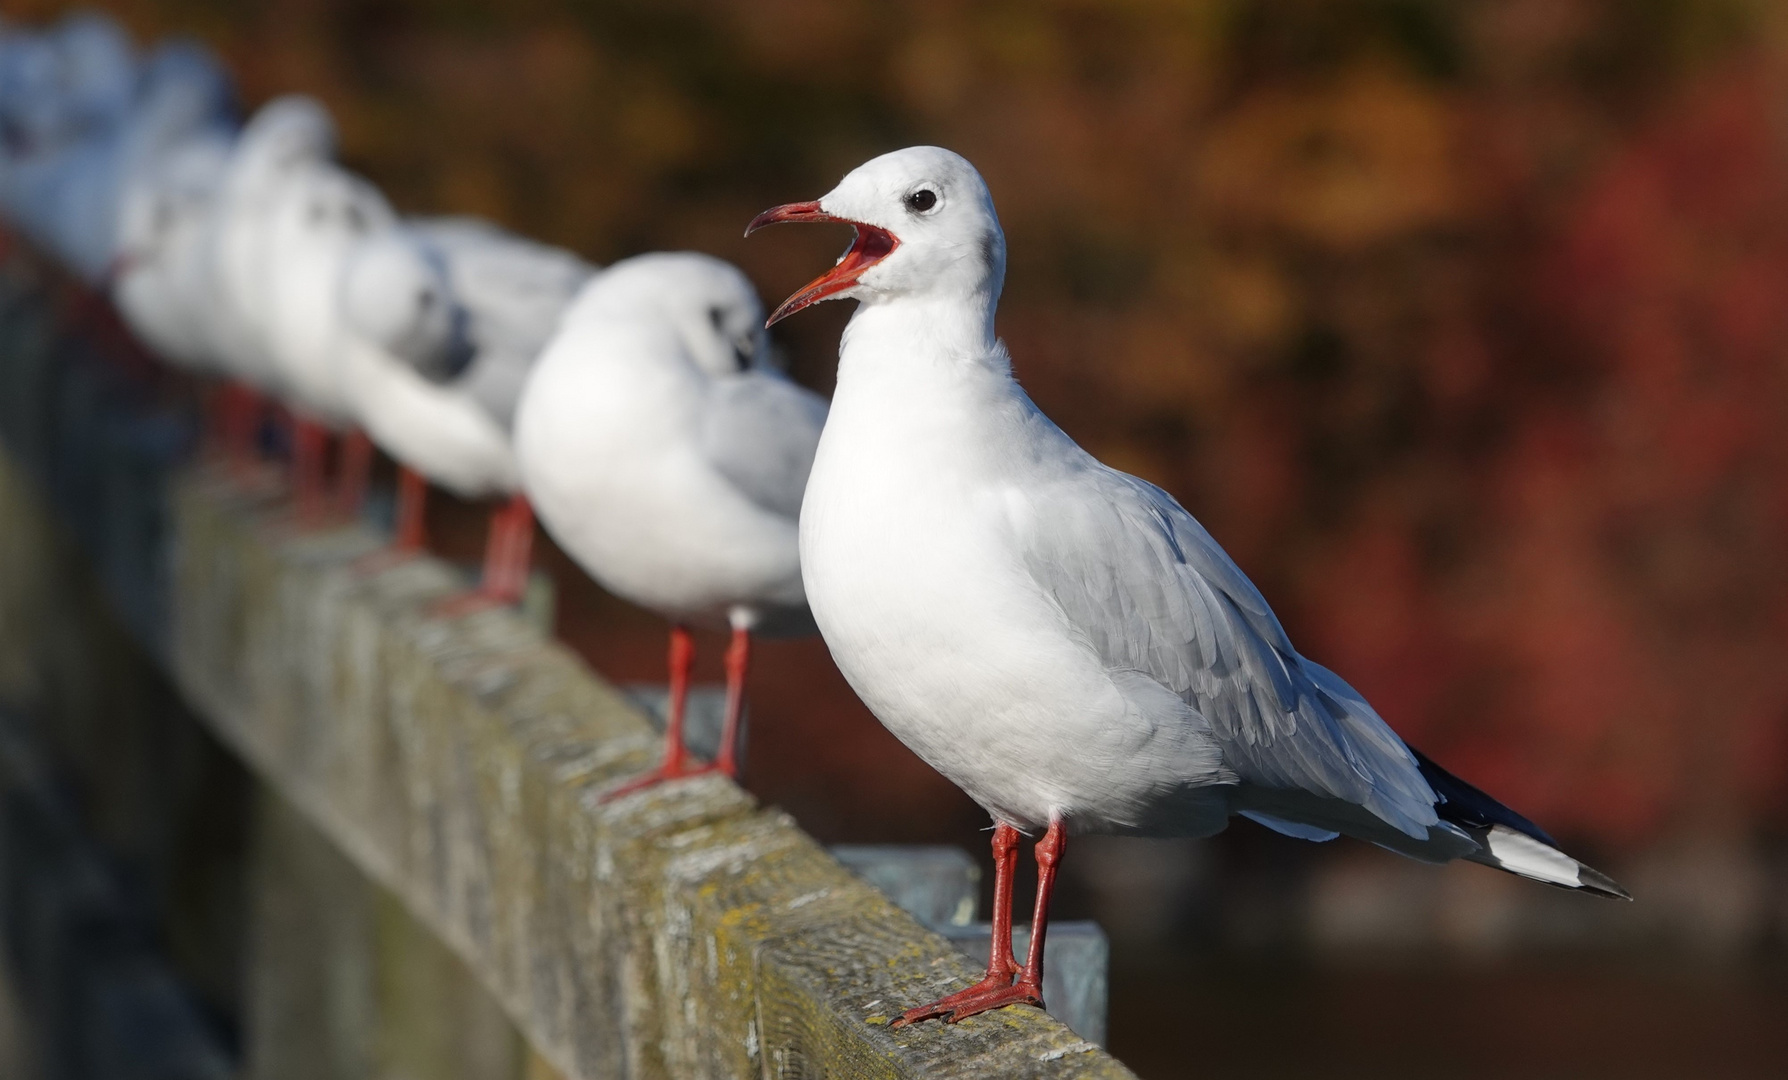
(921, 200)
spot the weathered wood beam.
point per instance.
(683, 932)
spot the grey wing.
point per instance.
(495, 378)
(515, 290)
(760, 431)
(1153, 592)
(512, 292)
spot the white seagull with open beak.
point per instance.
(1064, 641)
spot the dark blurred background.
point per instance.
(1462, 325)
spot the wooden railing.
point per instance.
(433, 874)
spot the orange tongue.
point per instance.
(871, 245)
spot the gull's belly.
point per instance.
(654, 526)
(957, 652)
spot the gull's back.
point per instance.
(513, 292)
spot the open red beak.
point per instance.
(871, 245)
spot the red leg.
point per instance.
(1048, 852)
(356, 473)
(1000, 964)
(508, 551)
(676, 756)
(241, 409)
(310, 447)
(412, 511)
(216, 434)
(410, 537)
(738, 664)
(991, 993)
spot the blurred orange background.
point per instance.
(1462, 325)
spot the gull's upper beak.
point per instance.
(871, 245)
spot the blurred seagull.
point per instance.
(321, 215)
(64, 96)
(158, 282)
(235, 269)
(1064, 641)
(445, 317)
(668, 459)
(185, 95)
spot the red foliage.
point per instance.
(1460, 325)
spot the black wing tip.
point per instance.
(1470, 807)
(1478, 813)
(1596, 883)
(1589, 879)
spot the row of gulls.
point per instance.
(1062, 640)
(473, 357)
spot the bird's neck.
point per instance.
(918, 339)
(921, 387)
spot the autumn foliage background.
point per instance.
(1462, 325)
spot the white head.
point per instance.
(170, 199)
(709, 302)
(148, 217)
(287, 132)
(395, 294)
(335, 204)
(99, 66)
(28, 96)
(925, 227)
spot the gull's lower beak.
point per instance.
(871, 245)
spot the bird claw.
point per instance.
(378, 562)
(471, 603)
(661, 775)
(993, 992)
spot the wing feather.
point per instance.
(760, 431)
(1153, 592)
(513, 292)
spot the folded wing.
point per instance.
(760, 431)
(1153, 592)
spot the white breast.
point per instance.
(914, 578)
(609, 456)
(434, 429)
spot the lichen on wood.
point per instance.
(681, 932)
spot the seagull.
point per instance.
(1062, 640)
(284, 136)
(69, 90)
(320, 214)
(157, 283)
(185, 95)
(444, 319)
(664, 454)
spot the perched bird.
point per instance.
(283, 137)
(667, 457)
(185, 95)
(444, 319)
(64, 95)
(158, 283)
(318, 218)
(1061, 640)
